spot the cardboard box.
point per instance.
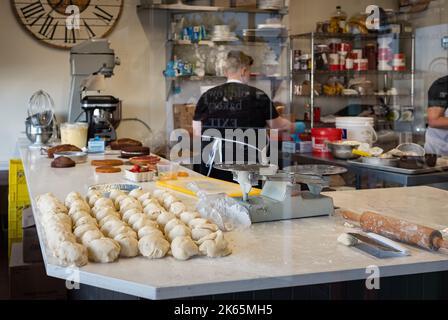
(30, 281)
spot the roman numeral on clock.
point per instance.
(89, 29)
(103, 14)
(48, 28)
(70, 36)
(33, 9)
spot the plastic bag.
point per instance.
(221, 209)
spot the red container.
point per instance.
(320, 137)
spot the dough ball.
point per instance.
(79, 231)
(180, 230)
(164, 218)
(121, 230)
(128, 245)
(48, 203)
(136, 193)
(153, 209)
(199, 233)
(71, 197)
(149, 231)
(159, 194)
(103, 250)
(145, 197)
(214, 245)
(126, 201)
(91, 235)
(95, 210)
(168, 201)
(147, 202)
(115, 193)
(79, 214)
(92, 193)
(130, 213)
(106, 212)
(56, 226)
(55, 238)
(171, 224)
(79, 205)
(71, 254)
(118, 199)
(130, 206)
(60, 218)
(153, 247)
(197, 222)
(110, 225)
(93, 199)
(143, 221)
(177, 208)
(183, 248)
(104, 203)
(187, 216)
(347, 240)
(108, 218)
(86, 220)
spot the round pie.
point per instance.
(107, 169)
(107, 163)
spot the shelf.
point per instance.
(355, 96)
(189, 8)
(368, 36)
(211, 77)
(210, 43)
(328, 72)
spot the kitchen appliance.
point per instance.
(281, 197)
(91, 63)
(39, 123)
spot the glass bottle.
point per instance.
(339, 19)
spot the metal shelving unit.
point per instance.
(314, 38)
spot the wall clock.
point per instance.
(65, 23)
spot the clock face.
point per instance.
(65, 23)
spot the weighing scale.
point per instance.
(281, 197)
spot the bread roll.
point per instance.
(103, 250)
(187, 216)
(164, 218)
(149, 231)
(128, 245)
(183, 248)
(86, 220)
(214, 245)
(91, 235)
(153, 247)
(71, 197)
(177, 208)
(136, 193)
(79, 231)
(70, 253)
(179, 231)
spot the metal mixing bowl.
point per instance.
(31, 132)
(343, 151)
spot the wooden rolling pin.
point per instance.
(398, 229)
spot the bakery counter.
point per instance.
(266, 256)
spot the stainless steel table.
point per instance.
(373, 174)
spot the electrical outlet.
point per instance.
(445, 42)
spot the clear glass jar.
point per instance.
(74, 134)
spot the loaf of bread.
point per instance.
(123, 143)
(61, 148)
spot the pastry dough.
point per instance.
(71, 197)
(149, 231)
(197, 222)
(159, 194)
(145, 196)
(179, 231)
(125, 230)
(103, 203)
(164, 218)
(110, 225)
(108, 218)
(86, 220)
(92, 193)
(130, 213)
(171, 224)
(48, 204)
(199, 233)
(79, 205)
(153, 247)
(56, 237)
(148, 202)
(128, 246)
(168, 201)
(91, 235)
(183, 248)
(143, 221)
(115, 193)
(71, 253)
(186, 216)
(58, 218)
(103, 250)
(214, 245)
(135, 217)
(93, 199)
(79, 231)
(136, 193)
(177, 208)
(119, 199)
(101, 214)
(153, 208)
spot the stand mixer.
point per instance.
(40, 120)
(281, 197)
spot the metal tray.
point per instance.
(424, 170)
(108, 187)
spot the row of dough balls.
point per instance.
(130, 220)
(57, 226)
(100, 247)
(188, 233)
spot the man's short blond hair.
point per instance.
(236, 60)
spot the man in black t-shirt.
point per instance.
(437, 133)
(236, 105)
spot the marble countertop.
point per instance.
(267, 256)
